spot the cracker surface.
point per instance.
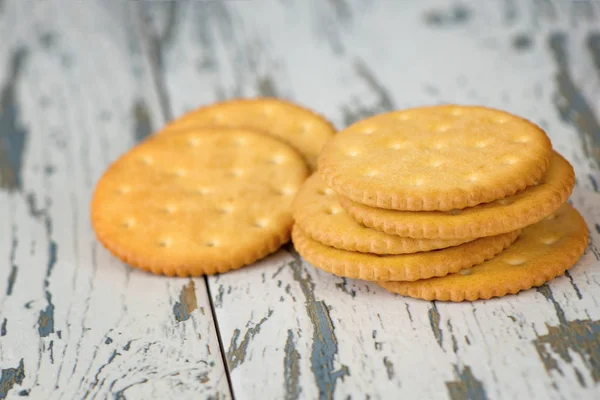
(198, 201)
(435, 158)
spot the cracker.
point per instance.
(435, 158)
(504, 215)
(299, 127)
(318, 212)
(402, 267)
(542, 252)
(198, 201)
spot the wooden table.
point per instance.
(83, 81)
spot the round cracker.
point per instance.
(435, 158)
(301, 128)
(542, 252)
(318, 212)
(199, 201)
(402, 267)
(504, 215)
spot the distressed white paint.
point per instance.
(115, 332)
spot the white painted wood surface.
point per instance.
(116, 69)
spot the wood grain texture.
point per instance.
(291, 331)
(76, 91)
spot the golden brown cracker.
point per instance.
(299, 127)
(542, 252)
(500, 216)
(435, 158)
(199, 201)
(318, 212)
(402, 267)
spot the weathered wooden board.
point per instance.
(76, 90)
(291, 331)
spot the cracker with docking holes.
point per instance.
(504, 215)
(303, 129)
(318, 212)
(435, 158)
(199, 201)
(542, 252)
(401, 267)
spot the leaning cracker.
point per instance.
(299, 127)
(402, 267)
(318, 213)
(199, 201)
(542, 252)
(435, 158)
(504, 215)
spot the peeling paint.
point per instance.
(266, 87)
(46, 319)
(466, 386)
(581, 337)
(522, 42)
(434, 321)
(384, 102)
(13, 136)
(236, 354)
(143, 122)
(571, 103)
(593, 43)
(13, 266)
(343, 286)
(187, 302)
(389, 367)
(219, 297)
(10, 377)
(457, 15)
(324, 345)
(291, 369)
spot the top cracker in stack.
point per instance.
(431, 176)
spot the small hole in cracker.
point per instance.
(397, 145)
(522, 139)
(442, 128)
(465, 272)
(550, 240)
(515, 261)
(169, 209)
(236, 173)
(225, 209)
(211, 243)
(193, 142)
(260, 223)
(147, 160)
(278, 159)
(128, 223)
(164, 242)
(325, 192)
(333, 211)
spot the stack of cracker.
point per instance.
(441, 203)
